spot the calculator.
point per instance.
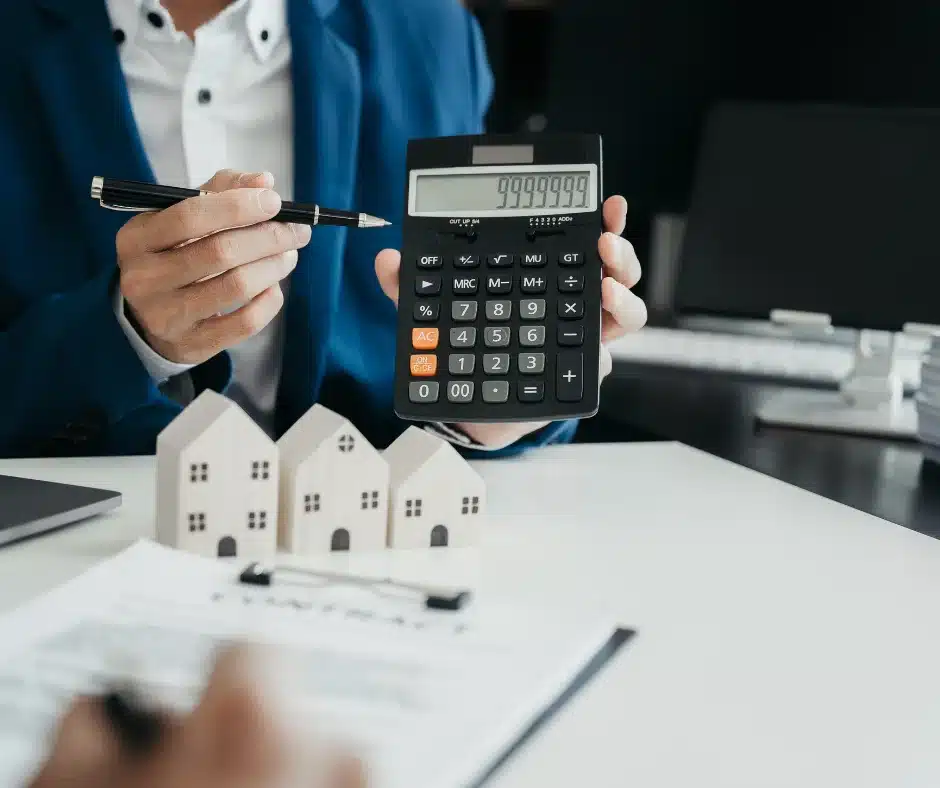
(500, 289)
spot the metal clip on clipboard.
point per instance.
(257, 574)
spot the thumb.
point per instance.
(224, 180)
(387, 269)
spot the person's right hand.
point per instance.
(233, 739)
(205, 274)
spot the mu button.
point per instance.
(425, 338)
(428, 285)
(423, 366)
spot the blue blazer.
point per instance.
(367, 76)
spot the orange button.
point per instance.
(425, 338)
(423, 366)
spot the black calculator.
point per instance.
(500, 300)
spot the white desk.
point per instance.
(784, 640)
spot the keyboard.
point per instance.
(798, 361)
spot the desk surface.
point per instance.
(783, 639)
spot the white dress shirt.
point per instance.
(220, 101)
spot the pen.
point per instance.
(119, 195)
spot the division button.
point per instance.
(427, 311)
(496, 392)
(535, 260)
(570, 308)
(532, 336)
(571, 283)
(430, 261)
(496, 337)
(569, 377)
(461, 363)
(571, 336)
(498, 310)
(533, 285)
(428, 285)
(463, 337)
(571, 258)
(531, 363)
(427, 391)
(423, 366)
(463, 311)
(466, 260)
(425, 338)
(531, 392)
(466, 285)
(496, 363)
(460, 391)
(500, 260)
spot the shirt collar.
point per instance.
(265, 21)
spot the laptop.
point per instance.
(29, 507)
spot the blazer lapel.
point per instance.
(79, 79)
(327, 92)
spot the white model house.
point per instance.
(334, 487)
(436, 499)
(217, 492)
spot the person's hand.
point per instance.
(205, 274)
(231, 739)
(624, 311)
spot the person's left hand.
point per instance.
(624, 311)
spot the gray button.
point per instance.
(532, 309)
(464, 311)
(424, 392)
(463, 337)
(496, 337)
(532, 336)
(531, 363)
(460, 391)
(461, 363)
(496, 391)
(498, 310)
(496, 363)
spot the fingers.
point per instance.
(233, 179)
(387, 269)
(615, 215)
(607, 363)
(218, 333)
(624, 311)
(620, 259)
(227, 250)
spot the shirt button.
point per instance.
(118, 36)
(155, 19)
(205, 96)
(264, 35)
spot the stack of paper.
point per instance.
(928, 402)
(431, 699)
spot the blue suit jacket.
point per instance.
(367, 76)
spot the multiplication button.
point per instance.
(424, 392)
(496, 392)
(460, 391)
(570, 308)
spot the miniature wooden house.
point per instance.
(217, 474)
(334, 487)
(436, 498)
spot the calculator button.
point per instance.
(496, 363)
(532, 336)
(463, 337)
(533, 285)
(466, 260)
(464, 311)
(496, 337)
(571, 336)
(428, 285)
(498, 310)
(536, 260)
(531, 363)
(571, 258)
(569, 381)
(498, 285)
(424, 392)
(570, 308)
(500, 260)
(466, 285)
(460, 391)
(429, 262)
(571, 283)
(425, 338)
(496, 392)
(531, 392)
(427, 311)
(461, 363)
(423, 366)
(532, 309)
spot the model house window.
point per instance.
(260, 470)
(197, 521)
(199, 472)
(312, 503)
(471, 505)
(373, 497)
(413, 507)
(347, 443)
(257, 520)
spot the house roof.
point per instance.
(201, 414)
(313, 428)
(413, 450)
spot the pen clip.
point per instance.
(116, 207)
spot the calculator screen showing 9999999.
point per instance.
(499, 314)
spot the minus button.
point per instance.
(571, 336)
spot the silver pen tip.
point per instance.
(365, 220)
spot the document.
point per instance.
(436, 699)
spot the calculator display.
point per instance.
(504, 191)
